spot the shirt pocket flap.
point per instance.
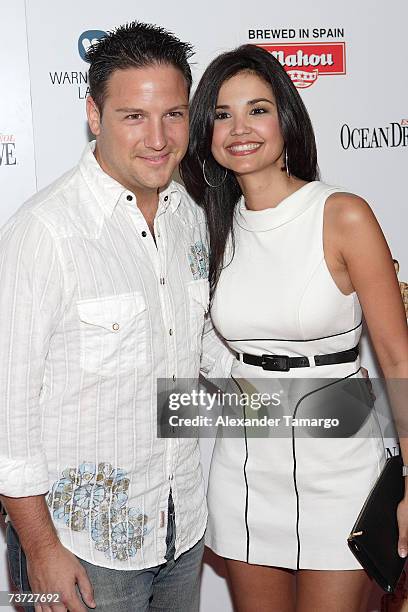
(199, 291)
(111, 312)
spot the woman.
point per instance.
(292, 260)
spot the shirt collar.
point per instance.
(108, 191)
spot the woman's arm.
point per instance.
(359, 258)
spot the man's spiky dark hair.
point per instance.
(135, 45)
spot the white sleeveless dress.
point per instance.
(290, 501)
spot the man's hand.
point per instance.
(54, 569)
(368, 383)
(51, 568)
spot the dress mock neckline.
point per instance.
(288, 209)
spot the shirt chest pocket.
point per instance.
(199, 292)
(113, 333)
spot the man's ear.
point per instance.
(94, 116)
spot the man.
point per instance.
(103, 289)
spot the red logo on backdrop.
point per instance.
(304, 62)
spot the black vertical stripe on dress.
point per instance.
(245, 478)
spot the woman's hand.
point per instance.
(402, 517)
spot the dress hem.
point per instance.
(228, 554)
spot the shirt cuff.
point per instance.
(24, 477)
(218, 368)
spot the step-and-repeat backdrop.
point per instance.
(347, 59)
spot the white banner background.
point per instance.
(372, 94)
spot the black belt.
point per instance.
(283, 363)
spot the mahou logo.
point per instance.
(305, 62)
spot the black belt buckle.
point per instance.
(278, 363)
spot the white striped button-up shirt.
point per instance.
(92, 312)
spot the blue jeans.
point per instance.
(173, 586)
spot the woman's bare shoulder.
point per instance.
(348, 211)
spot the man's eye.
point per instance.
(134, 116)
(221, 115)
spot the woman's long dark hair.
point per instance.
(296, 128)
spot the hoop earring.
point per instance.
(286, 163)
(208, 182)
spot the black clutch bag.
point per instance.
(374, 537)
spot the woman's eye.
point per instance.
(221, 115)
(258, 110)
(176, 114)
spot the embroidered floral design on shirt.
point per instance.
(198, 257)
(98, 494)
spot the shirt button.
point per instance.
(115, 326)
(171, 477)
(144, 234)
(166, 198)
(174, 378)
(162, 281)
(170, 332)
(129, 198)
